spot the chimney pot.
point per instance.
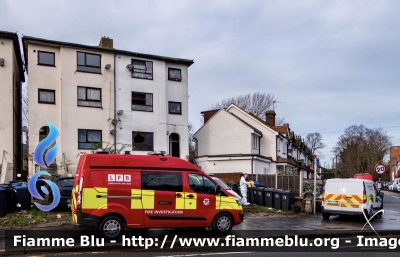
(208, 114)
(270, 118)
(106, 42)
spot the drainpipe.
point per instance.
(252, 159)
(2, 163)
(115, 104)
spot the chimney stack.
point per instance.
(106, 42)
(208, 114)
(270, 118)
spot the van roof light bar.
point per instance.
(162, 153)
(102, 151)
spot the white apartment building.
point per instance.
(152, 103)
(71, 86)
(99, 95)
(11, 78)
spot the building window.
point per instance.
(142, 141)
(175, 108)
(165, 181)
(89, 97)
(174, 74)
(254, 141)
(89, 139)
(142, 102)
(46, 58)
(89, 62)
(142, 69)
(47, 96)
(43, 133)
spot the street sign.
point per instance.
(318, 161)
(380, 169)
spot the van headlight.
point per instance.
(238, 201)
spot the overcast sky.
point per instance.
(330, 64)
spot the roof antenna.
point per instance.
(273, 104)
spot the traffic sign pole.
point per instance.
(379, 169)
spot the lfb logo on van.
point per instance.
(119, 179)
(43, 160)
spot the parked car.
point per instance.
(396, 185)
(390, 187)
(65, 184)
(224, 185)
(386, 185)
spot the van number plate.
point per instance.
(333, 204)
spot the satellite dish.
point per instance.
(113, 132)
(24, 129)
(129, 67)
(108, 66)
(120, 112)
(114, 121)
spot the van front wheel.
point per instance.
(222, 223)
(111, 227)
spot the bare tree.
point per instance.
(359, 149)
(256, 103)
(192, 153)
(314, 142)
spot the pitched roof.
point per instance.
(280, 129)
(242, 121)
(255, 130)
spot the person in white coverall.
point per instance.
(243, 188)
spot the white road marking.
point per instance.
(202, 254)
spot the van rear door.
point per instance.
(352, 194)
(333, 195)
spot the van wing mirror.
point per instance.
(217, 189)
(381, 194)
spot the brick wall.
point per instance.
(394, 158)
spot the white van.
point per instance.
(351, 196)
(396, 185)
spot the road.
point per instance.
(390, 220)
(391, 201)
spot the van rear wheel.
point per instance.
(222, 223)
(326, 216)
(111, 227)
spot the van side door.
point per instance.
(200, 205)
(161, 195)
